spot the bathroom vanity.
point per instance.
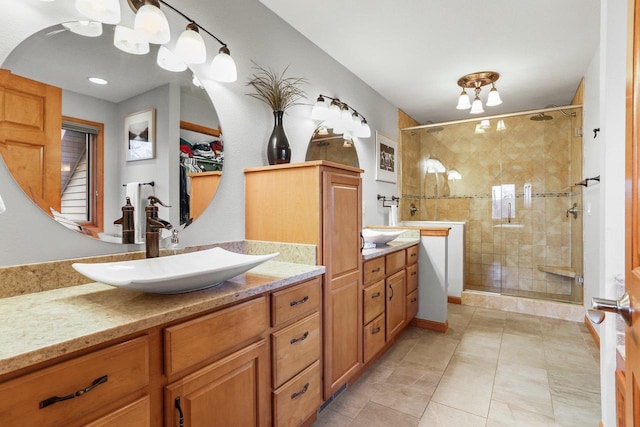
(244, 353)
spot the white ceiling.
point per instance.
(413, 51)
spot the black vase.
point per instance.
(278, 149)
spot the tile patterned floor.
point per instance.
(491, 369)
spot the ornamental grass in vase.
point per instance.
(279, 93)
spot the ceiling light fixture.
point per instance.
(151, 26)
(337, 116)
(476, 81)
(98, 80)
(84, 28)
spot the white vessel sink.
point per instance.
(173, 274)
(380, 237)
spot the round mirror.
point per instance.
(93, 125)
(333, 147)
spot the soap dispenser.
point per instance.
(127, 222)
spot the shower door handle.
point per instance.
(600, 305)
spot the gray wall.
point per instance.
(252, 33)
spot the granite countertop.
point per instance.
(392, 246)
(40, 326)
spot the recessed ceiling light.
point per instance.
(98, 81)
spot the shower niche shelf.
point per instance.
(560, 271)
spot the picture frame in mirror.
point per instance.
(139, 129)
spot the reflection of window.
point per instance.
(81, 159)
(503, 199)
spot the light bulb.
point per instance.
(151, 23)
(334, 112)
(170, 61)
(190, 46)
(320, 110)
(494, 97)
(463, 101)
(364, 131)
(129, 41)
(476, 107)
(223, 67)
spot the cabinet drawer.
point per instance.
(295, 301)
(136, 414)
(373, 270)
(297, 399)
(373, 301)
(190, 343)
(373, 337)
(412, 254)
(412, 278)
(29, 400)
(294, 348)
(395, 261)
(412, 305)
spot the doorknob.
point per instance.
(601, 305)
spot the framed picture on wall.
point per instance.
(140, 133)
(386, 159)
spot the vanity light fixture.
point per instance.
(340, 117)
(433, 165)
(151, 26)
(476, 81)
(485, 124)
(501, 126)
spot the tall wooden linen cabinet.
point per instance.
(318, 203)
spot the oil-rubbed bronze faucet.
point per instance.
(127, 222)
(153, 227)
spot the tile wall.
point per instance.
(506, 240)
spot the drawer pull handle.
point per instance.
(375, 270)
(376, 295)
(391, 297)
(179, 408)
(302, 301)
(414, 299)
(375, 331)
(301, 392)
(56, 399)
(413, 273)
(414, 254)
(302, 338)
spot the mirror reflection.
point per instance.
(84, 110)
(333, 147)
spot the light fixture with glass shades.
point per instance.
(476, 81)
(340, 117)
(151, 26)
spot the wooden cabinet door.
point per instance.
(30, 136)
(396, 293)
(229, 393)
(342, 222)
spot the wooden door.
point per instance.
(632, 264)
(229, 393)
(342, 222)
(396, 294)
(30, 126)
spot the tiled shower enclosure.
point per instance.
(512, 179)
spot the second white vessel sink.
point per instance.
(173, 274)
(380, 237)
